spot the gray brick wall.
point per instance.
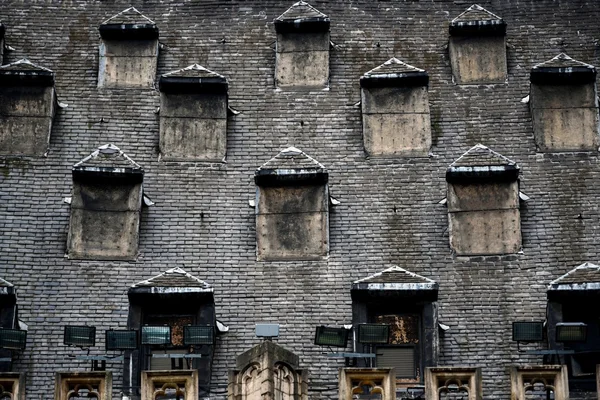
(388, 212)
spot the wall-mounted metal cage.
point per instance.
(121, 339)
(198, 335)
(80, 336)
(156, 335)
(571, 332)
(373, 333)
(528, 331)
(13, 339)
(326, 336)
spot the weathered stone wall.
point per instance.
(127, 63)
(484, 218)
(26, 114)
(396, 121)
(388, 211)
(193, 126)
(105, 221)
(292, 223)
(478, 59)
(302, 60)
(565, 117)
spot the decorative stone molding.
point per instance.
(96, 385)
(179, 384)
(12, 385)
(440, 382)
(354, 382)
(539, 379)
(267, 372)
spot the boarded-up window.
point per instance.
(292, 211)
(483, 204)
(105, 207)
(395, 110)
(128, 51)
(302, 56)
(193, 115)
(477, 47)
(27, 107)
(564, 105)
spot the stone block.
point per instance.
(563, 96)
(488, 196)
(478, 60)
(389, 100)
(302, 69)
(128, 64)
(104, 221)
(291, 42)
(397, 134)
(26, 119)
(107, 196)
(26, 101)
(197, 105)
(485, 232)
(565, 117)
(566, 129)
(24, 135)
(292, 223)
(193, 138)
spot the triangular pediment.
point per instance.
(129, 16)
(109, 156)
(174, 278)
(301, 10)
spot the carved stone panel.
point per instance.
(79, 385)
(158, 385)
(453, 383)
(267, 372)
(12, 385)
(539, 382)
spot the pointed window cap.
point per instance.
(192, 79)
(172, 281)
(128, 24)
(108, 161)
(564, 70)
(477, 21)
(394, 72)
(7, 289)
(480, 165)
(396, 281)
(291, 166)
(25, 73)
(302, 17)
(585, 277)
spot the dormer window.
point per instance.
(564, 105)
(477, 47)
(105, 206)
(27, 107)
(292, 208)
(175, 299)
(128, 51)
(395, 110)
(483, 203)
(302, 56)
(193, 115)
